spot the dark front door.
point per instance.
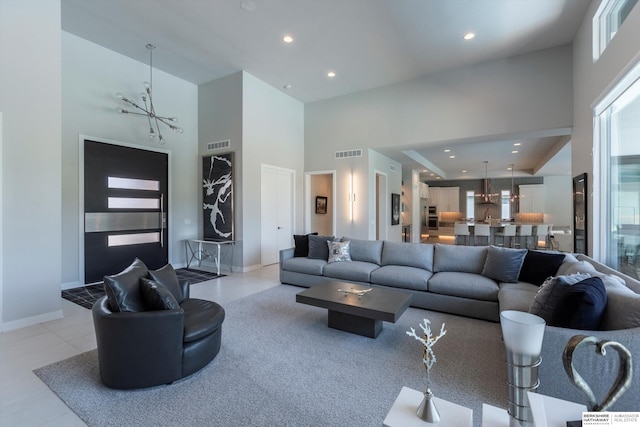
(125, 208)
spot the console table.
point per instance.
(195, 249)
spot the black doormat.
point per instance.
(86, 296)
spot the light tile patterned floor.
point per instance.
(25, 401)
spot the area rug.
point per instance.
(281, 365)
(85, 296)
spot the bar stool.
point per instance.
(542, 234)
(481, 230)
(509, 231)
(525, 231)
(461, 230)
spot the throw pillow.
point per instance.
(547, 296)
(339, 251)
(166, 276)
(318, 248)
(539, 266)
(156, 296)
(123, 289)
(503, 264)
(581, 306)
(302, 244)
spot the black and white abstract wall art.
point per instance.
(217, 196)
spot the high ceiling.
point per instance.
(367, 43)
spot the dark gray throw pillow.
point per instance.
(123, 289)
(166, 276)
(157, 297)
(318, 248)
(539, 266)
(503, 264)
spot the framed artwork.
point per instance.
(321, 205)
(580, 225)
(217, 196)
(395, 209)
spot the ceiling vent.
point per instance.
(349, 153)
(219, 145)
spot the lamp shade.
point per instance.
(522, 332)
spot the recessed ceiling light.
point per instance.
(509, 168)
(514, 152)
(463, 171)
(287, 39)
(425, 170)
(287, 86)
(469, 36)
(452, 157)
(432, 174)
(437, 177)
(446, 150)
(517, 144)
(331, 74)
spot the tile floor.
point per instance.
(26, 401)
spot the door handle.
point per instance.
(161, 220)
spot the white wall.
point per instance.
(558, 201)
(219, 119)
(272, 134)
(91, 75)
(591, 81)
(379, 164)
(30, 100)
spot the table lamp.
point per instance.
(522, 334)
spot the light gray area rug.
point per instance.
(280, 365)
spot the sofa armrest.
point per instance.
(285, 254)
(138, 349)
(185, 285)
(599, 371)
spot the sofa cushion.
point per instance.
(365, 250)
(407, 254)
(539, 266)
(123, 289)
(516, 296)
(318, 248)
(622, 310)
(400, 276)
(548, 296)
(352, 271)
(339, 252)
(503, 264)
(581, 306)
(302, 244)
(157, 297)
(464, 259)
(166, 276)
(201, 318)
(304, 265)
(569, 259)
(465, 285)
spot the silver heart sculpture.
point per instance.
(622, 382)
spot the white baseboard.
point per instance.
(30, 321)
(71, 285)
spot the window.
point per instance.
(471, 205)
(607, 21)
(618, 219)
(505, 204)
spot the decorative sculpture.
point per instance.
(623, 379)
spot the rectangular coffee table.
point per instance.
(362, 315)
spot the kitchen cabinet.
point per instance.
(532, 198)
(447, 199)
(423, 190)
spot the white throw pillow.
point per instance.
(339, 251)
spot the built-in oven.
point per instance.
(432, 218)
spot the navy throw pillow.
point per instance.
(539, 266)
(302, 244)
(581, 306)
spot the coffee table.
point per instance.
(362, 315)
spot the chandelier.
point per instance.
(147, 109)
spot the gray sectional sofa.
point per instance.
(479, 282)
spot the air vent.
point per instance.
(348, 153)
(219, 145)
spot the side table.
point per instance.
(403, 412)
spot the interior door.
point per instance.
(276, 212)
(125, 208)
